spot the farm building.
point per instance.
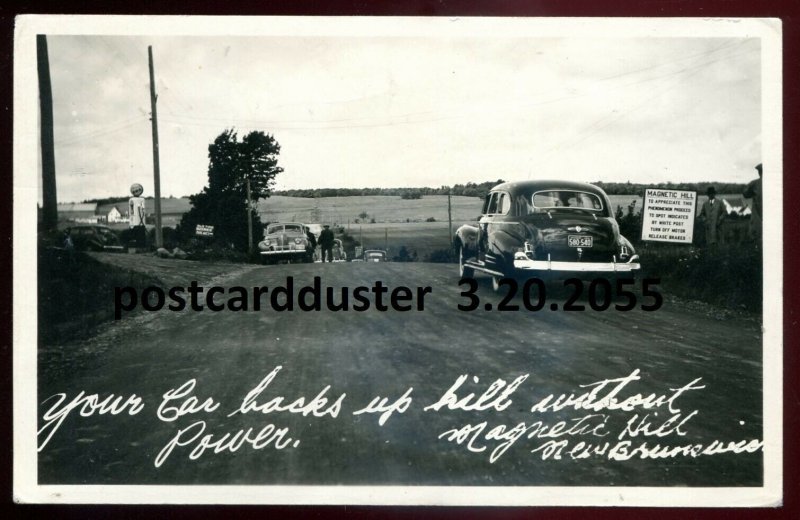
(114, 214)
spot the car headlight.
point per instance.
(624, 252)
(298, 240)
(267, 241)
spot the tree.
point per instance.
(223, 203)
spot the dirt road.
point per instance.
(382, 354)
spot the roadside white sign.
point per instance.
(668, 215)
(204, 231)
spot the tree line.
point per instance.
(472, 189)
(630, 188)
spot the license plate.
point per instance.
(579, 241)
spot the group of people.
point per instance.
(713, 211)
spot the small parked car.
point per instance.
(375, 255)
(544, 228)
(285, 242)
(95, 237)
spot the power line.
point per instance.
(613, 117)
(96, 134)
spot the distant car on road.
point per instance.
(95, 237)
(375, 255)
(544, 228)
(285, 242)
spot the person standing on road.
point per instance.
(753, 191)
(326, 243)
(312, 243)
(712, 213)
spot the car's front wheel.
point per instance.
(463, 270)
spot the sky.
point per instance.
(368, 111)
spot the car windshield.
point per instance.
(566, 199)
(288, 228)
(294, 228)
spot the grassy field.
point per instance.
(385, 209)
(341, 210)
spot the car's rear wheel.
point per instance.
(463, 270)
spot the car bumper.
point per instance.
(299, 251)
(523, 263)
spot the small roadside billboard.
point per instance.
(668, 215)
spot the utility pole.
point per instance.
(49, 198)
(156, 168)
(449, 217)
(249, 221)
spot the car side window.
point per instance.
(504, 204)
(486, 200)
(492, 204)
(523, 207)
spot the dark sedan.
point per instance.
(544, 228)
(91, 237)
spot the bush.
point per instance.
(726, 276)
(630, 225)
(441, 256)
(88, 286)
(405, 255)
(430, 219)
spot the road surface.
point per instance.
(382, 354)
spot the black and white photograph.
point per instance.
(398, 260)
